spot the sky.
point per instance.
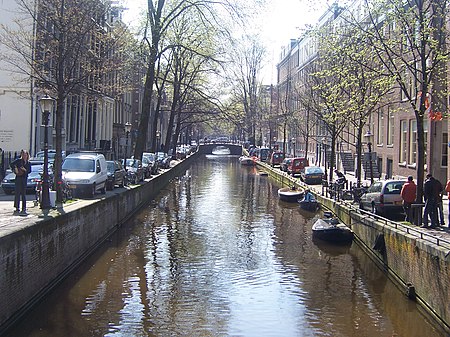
(279, 22)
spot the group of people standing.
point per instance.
(433, 190)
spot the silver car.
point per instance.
(383, 197)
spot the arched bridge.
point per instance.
(235, 149)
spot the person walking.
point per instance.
(21, 167)
(447, 189)
(440, 204)
(431, 195)
(408, 194)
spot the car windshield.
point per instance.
(313, 170)
(110, 166)
(150, 157)
(132, 163)
(37, 168)
(79, 165)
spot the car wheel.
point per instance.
(122, 183)
(93, 190)
(103, 190)
(109, 186)
(136, 180)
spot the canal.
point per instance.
(217, 254)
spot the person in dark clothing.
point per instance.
(21, 167)
(431, 190)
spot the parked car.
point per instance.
(153, 163)
(264, 154)
(276, 158)
(163, 160)
(297, 166)
(285, 164)
(116, 174)
(312, 175)
(9, 182)
(85, 173)
(51, 155)
(383, 197)
(146, 167)
(135, 171)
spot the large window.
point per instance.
(390, 135)
(412, 142)
(380, 133)
(403, 141)
(444, 147)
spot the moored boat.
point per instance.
(290, 194)
(309, 202)
(247, 161)
(330, 229)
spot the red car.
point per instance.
(297, 166)
(276, 158)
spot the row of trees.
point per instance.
(79, 47)
(370, 55)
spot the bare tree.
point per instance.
(65, 49)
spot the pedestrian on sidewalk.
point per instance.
(21, 167)
(408, 194)
(447, 189)
(440, 204)
(431, 195)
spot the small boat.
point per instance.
(309, 205)
(247, 161)
(330, 229)
(290, 194)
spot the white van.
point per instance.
(85, 173)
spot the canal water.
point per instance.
(217, 254)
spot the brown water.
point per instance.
(217, 254)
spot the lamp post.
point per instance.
(46, 104)
(127, 131)
(158, 137)
(293, 145)
(368, 137)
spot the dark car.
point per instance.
(276, 158)
(163, 160)
(135, 171)
(116, 174)
(285, 164)
(312, 175)
(149, 159)
(8, 183)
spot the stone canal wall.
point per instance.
(33, 259)
(415, 259)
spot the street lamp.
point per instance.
(158, 137)
(293, 145)
(368, 137)
(324, 147)
(46, 104)
(127, 131)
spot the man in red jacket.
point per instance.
(408, 194)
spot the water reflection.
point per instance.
(217, 254)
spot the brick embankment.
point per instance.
(38, 250)
(416, 259)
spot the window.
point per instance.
(380, 132)
(403, 141)
(444, 156)
(390, 135)
(412, 141)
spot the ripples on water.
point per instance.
(216, 254)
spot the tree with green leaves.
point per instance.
(410, 40)
(66, 49)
